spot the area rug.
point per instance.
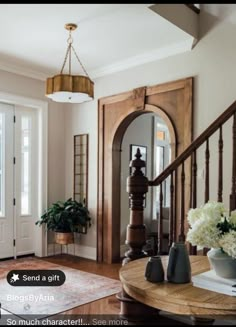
(42, 301)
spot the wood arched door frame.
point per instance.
(173, 102)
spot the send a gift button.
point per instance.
(36, 277)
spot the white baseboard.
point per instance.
(78, 250)
(85, 251)
(54, 249)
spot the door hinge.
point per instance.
(14, 201)
(14, 242)
(14, 119)
(14, 160)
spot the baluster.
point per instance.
(233, 189)
(182, 216)
(175, 205)
(171, 222)
(160, 222)
(193, 249)
(207, 159)
(220, 174)
(194, 172)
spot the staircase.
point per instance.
(184, 191)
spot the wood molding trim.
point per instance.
(115, 113)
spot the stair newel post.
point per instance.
(137, 187)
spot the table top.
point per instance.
(176, 298)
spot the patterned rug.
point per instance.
(79, 288)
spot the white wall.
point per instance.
(212, 64)
(82, 122)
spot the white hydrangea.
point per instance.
(212, 211)
(228, 243)
(204, 233)
(194, 215)
(216, 207)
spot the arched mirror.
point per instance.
(151, 134)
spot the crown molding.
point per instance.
(22, 70)
(147, 57)
(131, 62)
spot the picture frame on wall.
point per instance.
(143, 151)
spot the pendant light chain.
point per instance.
(80, 62)
(68, 53)
(70, 41)
(66, 56)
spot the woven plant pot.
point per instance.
(64, 238)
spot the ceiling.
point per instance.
(109, 37)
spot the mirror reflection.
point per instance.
(149, 132)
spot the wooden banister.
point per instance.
(195, 145)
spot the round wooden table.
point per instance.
(184, 299)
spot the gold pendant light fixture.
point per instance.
(67, 87)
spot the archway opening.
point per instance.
(153, 132)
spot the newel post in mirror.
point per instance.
(137, 187)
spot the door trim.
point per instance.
(115, 113)
(42, 108)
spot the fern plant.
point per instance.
(66, 217)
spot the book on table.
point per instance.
(210, 281)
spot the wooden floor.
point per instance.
(106, 306)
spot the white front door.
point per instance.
(18, 180)
(6, 181)
(26, 168)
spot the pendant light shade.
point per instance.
(67, 87)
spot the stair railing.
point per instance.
(177, 168)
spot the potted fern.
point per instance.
(65, 218)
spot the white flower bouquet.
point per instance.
(212, 226)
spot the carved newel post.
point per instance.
(137, 187)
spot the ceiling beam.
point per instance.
(181, 16)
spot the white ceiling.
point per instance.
(109, 38)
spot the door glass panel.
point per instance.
(2, 170)
(25, 165)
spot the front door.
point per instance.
(6, 181)
(18, 179)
